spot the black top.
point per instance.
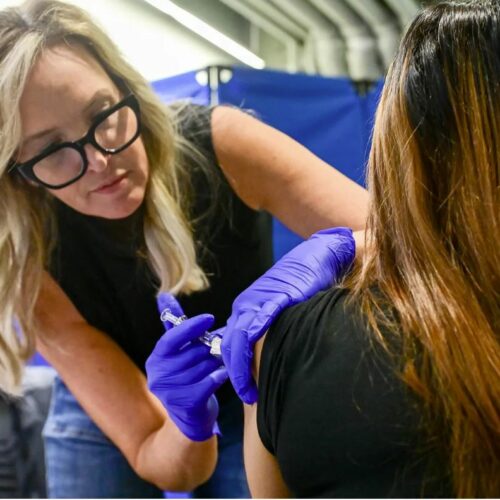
(335, 414)
(96, 260)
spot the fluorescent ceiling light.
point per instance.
(209, 33)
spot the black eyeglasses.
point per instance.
(112, 131)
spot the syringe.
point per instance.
(210, 339)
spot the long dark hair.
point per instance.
(434, 232)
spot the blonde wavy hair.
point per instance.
(431, 275)
(27, 227)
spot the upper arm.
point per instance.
(257, 159)
(262, 469)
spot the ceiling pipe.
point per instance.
(362, 54)
(304, 51)
(278, 17)
(405, 9)
(290, 43)
(324, 40)
(383, 23)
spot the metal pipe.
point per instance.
(290, 43)
(362, 52)
(383, 23)
(278, 17)
(323, 37)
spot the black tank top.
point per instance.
(96, 261)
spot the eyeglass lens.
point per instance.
(66, 164)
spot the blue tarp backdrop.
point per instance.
(327, 115)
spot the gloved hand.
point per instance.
(311, 266)
(183, 374)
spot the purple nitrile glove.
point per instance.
(183, 374)
(310, 267)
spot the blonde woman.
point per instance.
(390, 386)
(107, 197)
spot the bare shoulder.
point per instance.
(227, 115)
(233, 129)
(244, 147)
(229, 122)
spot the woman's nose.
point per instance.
(97, 161)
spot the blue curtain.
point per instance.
(184, 86)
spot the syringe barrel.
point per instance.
(209, 339)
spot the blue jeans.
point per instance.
(82, 462)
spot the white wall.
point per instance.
(151, 41)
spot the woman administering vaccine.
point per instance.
(107, 197)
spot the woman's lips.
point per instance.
(110, 186)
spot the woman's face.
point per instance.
(66, 89)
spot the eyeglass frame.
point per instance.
(26, 168)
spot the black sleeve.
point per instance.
(293, 359)
(274, 374)
(332, 407)
(291, 341)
